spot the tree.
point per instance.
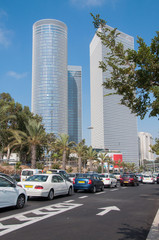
(102, 159)
(155, 147)
(63, 144)
(134, 74)
(91, 156)
(80, 149)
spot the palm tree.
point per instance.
(63, 143)
(80, 149)
(91, 155)
(34, 136)
(102, 159)
(109, 162)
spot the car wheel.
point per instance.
(51, 195)
(94, 189)
(20, 201)
(70, 191)
(102, 188)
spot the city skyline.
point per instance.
(136, 18)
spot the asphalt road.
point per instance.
(115, 214)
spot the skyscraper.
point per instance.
(50, 74)
(145, 140)
(113, 126)
(75, 103)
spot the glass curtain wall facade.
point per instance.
(50, 75)
(113, 125)
(75, 103)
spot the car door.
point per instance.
(55, 185)
(62, 185)
(8, 193)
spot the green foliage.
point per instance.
(134, 74)
(69, 170)
(155, 147)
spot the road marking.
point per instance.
(114, 190)
(107, 209)
(35, 216)
(99, 193)
(83, 197)
(154, 231)
(70, 201)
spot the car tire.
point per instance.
(70, 191)
(94, 189)
(51, 195)
(20, 201)
(102, 188)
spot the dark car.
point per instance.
(88, 182)
(129, 179)
(8, 177)
(158, 179)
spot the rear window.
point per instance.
(85, 176)
(128, 175)
(27, 173)
(38, 178)
(103, 175)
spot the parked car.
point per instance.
(109, 180)
(129, 179)
(88, 182)
(10, 193)
(155, 176)
(148, 179)
(16, 177)
(158, 179)
(46, 185)
(139, 176)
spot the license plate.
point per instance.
(81, 181)
(126, 182)
(28, 186)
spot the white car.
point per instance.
(148, 179)
(11, 194)
(46, 185)
(108, 179)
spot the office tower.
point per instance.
(50, 75)
(75, 103)
(113, 126)
(145, 140)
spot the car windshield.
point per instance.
(37, 178)
(27, 173)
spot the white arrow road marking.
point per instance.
(107, 209)
(83, 197)
(40, 214)
(99, 193)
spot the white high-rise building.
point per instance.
(145, 140)
(50, 75)
(113, 126)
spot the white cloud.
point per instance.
(5, 34)
(88, 3)
(16, 75)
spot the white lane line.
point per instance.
(154, 231)
(112, 190)
(70, 201)
(40, 214)
(99, 193)
(83, 197)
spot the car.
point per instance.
(8, 177)
(108, 179)
(72, 176)
(158, 179)
(46, 185)
(25, 173)
(155, 176)
(16, 177)
(148, 179)
(10, 193)
(117, 175)
(129, 179)
(139, 176)
(88, 182)
(63, 173)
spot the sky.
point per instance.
(133, 17)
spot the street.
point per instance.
(115, 214)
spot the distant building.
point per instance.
(113, 126)
(145, 140)
(75, 103)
